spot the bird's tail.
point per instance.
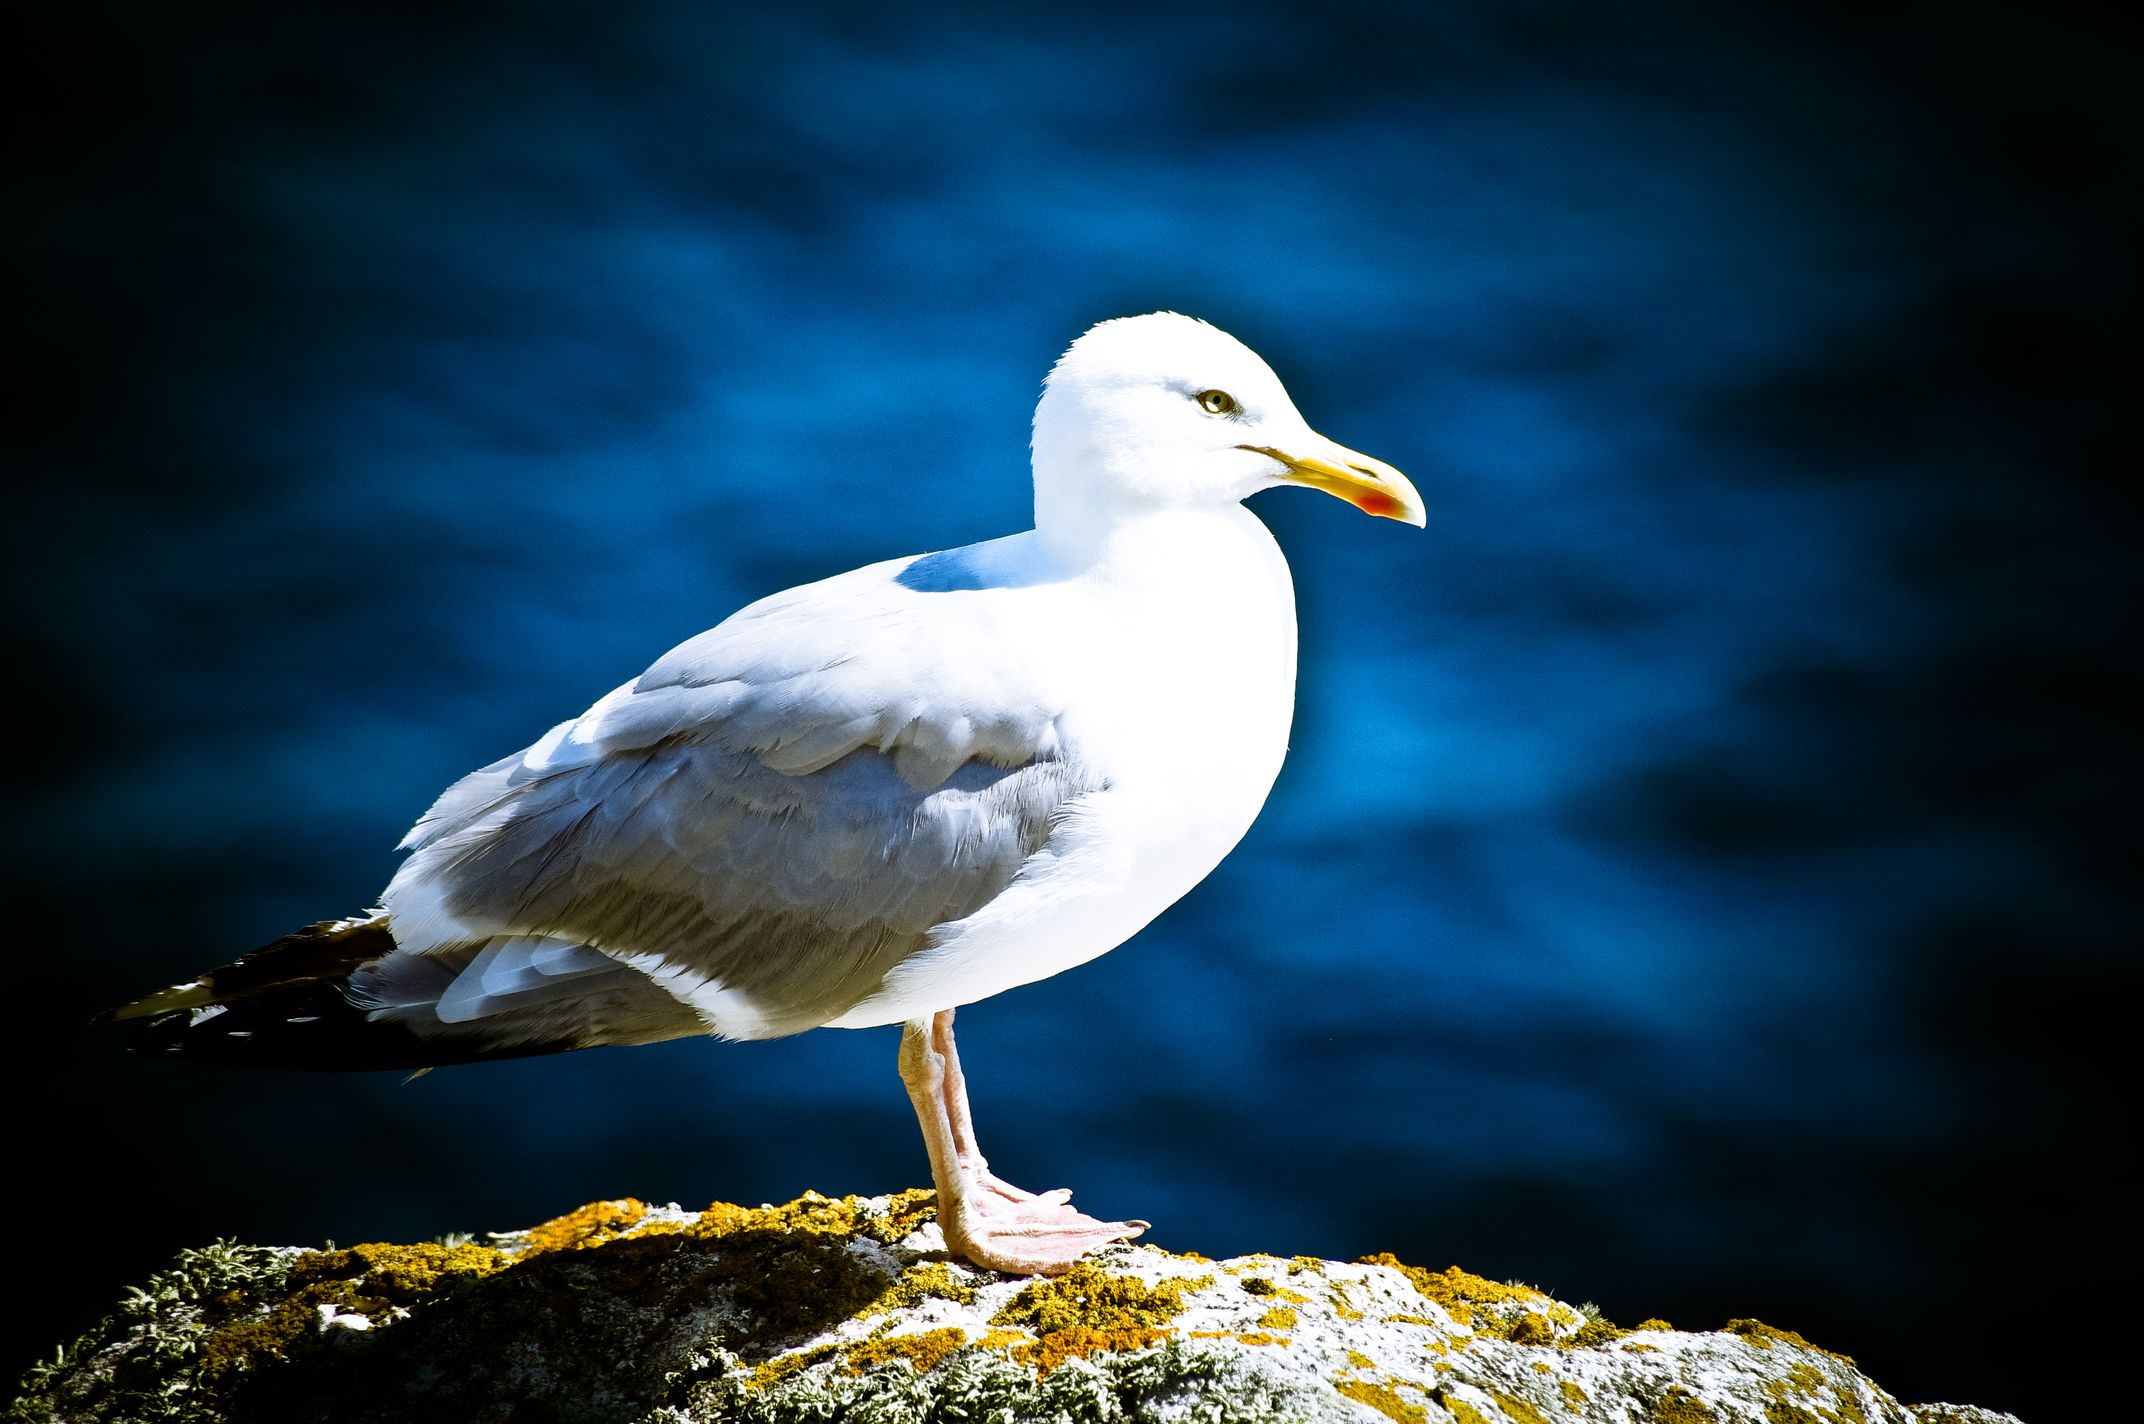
(288, 1004)
(342, 994)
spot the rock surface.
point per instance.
(849, 1310)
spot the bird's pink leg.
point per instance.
(972, 1166)
(991, 1222)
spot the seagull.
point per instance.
(868, 800)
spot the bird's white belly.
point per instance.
(1185, 714)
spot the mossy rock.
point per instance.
(849, 1309)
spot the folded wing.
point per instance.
(773, 817)
(744, 841)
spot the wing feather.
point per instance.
(769, 820)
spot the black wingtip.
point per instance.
(304, 1026)
(328, 950)
(194, 994)
(288, 1005)
(313, 1030)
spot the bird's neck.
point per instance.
(1159, 546)
(1087, 518)
(1077, 527)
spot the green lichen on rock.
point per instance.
(849, 1309)
(143, 1361)
(1173, 1379)
(529, 1313)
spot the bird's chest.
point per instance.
(1170, 691)
(1209, 693)
(1187, 699)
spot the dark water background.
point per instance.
(1702, 879)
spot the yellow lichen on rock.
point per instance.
(402, 1275)
(824, 1308)
(1464, 1413)
(1762, 1335)
(1049, 1351)
(814, 1215)
(1532, 1328)
(904, 1212)
(1795, 1398)
(1679, 1406)
(1341, 1304)
(774, 1371)
(786, 1279)
(1242, 1337)
(368, 1280)
(592, 1225)
(1800, 1382)
(1088, 1295)
(1088, 1310)
(1519, 1411)
(1384, 1400)
(1459, 1292)
(921, 1351)
(1259, 1285)
(809, 1215)
(930, 1278)
(1595, 1332)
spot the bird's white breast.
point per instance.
(1178, 659)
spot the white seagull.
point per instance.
(868, 800)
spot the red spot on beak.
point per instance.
(1382, 505)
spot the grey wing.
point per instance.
(774, 816)
(768, 902)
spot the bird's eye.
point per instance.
(1217, 403)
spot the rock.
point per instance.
(848, 1309)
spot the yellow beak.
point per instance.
(1372, 486)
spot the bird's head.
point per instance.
(1163, 411)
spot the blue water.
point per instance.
(1667, 830)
